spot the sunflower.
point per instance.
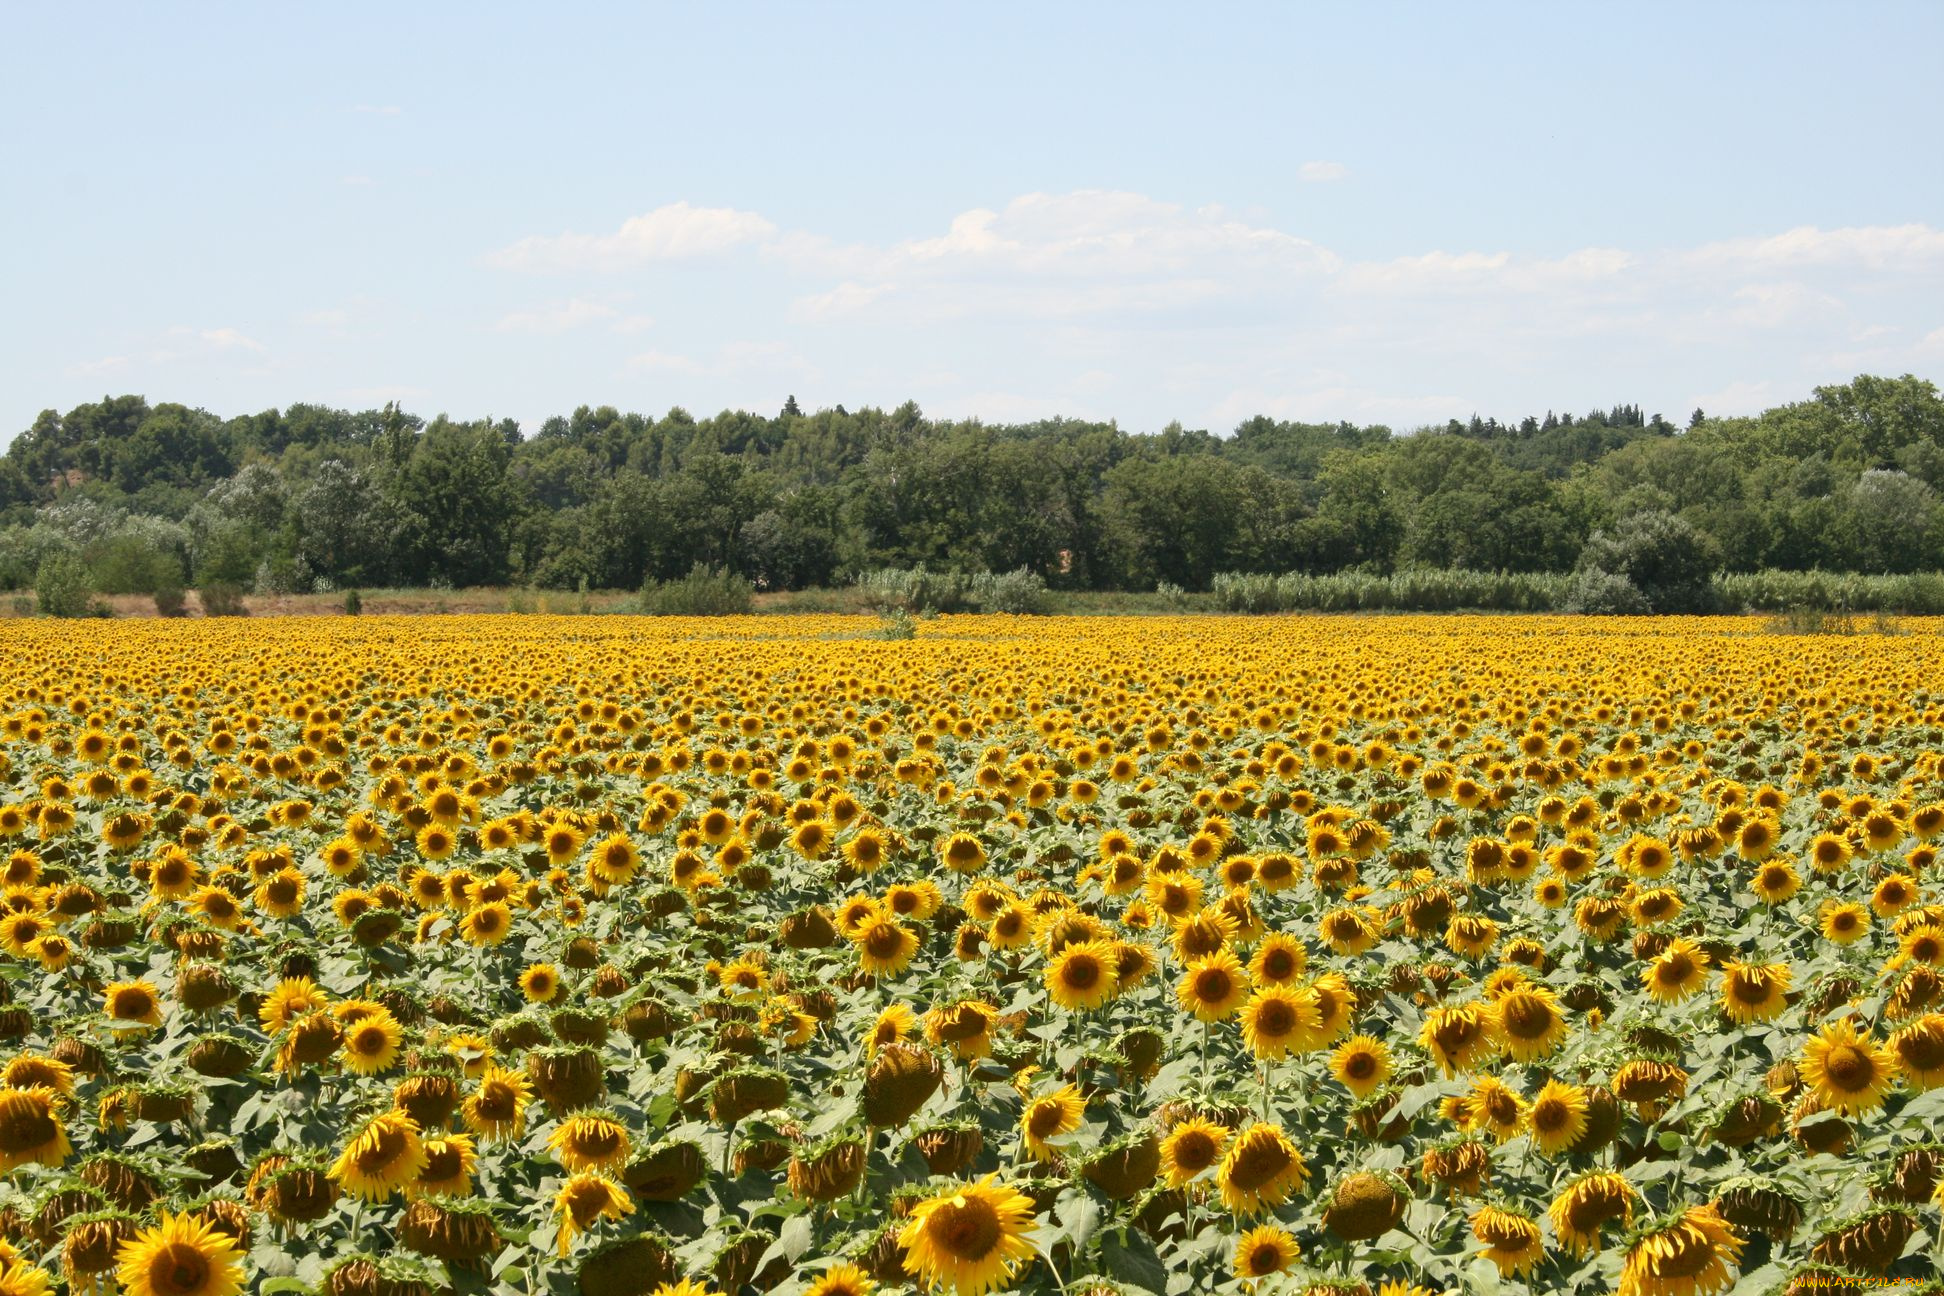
(497, 1108)
(1494, 1108)
(1558, 1117)
(1845, 923)
(1264, 1250)
(181, 1255)
(371, 1044)
(1260, 1171)
(1847, 1072)
(884, 947)
(970, 1239)
(1278, 1021)
(383, 1157)
(1687, 1257)
(585, 1199)
(487, 924)
(1512, 1241)
(962, 853)
(33, 1069)
(1083, 976)
(897, 1022)
(1589, 1204)
(1919, 1051)
(1361, 1064)
(1752, 992)
(30, 1127)
(1678, 972)
(449, 1162)
(1830, 852)
(1776, 881)
(1213, 987)
(1459, 1035)
(132, 1004)
(1529, 1022)
(842, 1279)
(1278, 960)
(1190, 1149)
(1049, 1117)
(540, 983)
(590, 1141)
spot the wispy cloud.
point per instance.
(1321, 172)
(671, 232)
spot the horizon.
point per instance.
(1394, 218)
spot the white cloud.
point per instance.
(667, 233)
(218, 339)
(558, 317)
(665, 362)
(105, 365)
(738, 359)
(1877, 247)
(1321, 172)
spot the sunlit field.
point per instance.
(388, 956)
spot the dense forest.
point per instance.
(148, 496)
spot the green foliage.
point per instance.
(1666, 561)
(705, 591)
(222, 598)
(353, 602)
(311, 498)
(171, 601)
(896, 625)
(1411, 590)
(63, 587)
(1595, 592)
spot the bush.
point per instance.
(62, 587)
(353, 603)
(1662, 555)
(1021, 592)
(170, 601)
(221, 598)
(705, 591)
(915, 590)
(896, 625)
(1604, 593)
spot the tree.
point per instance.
(1660, 555)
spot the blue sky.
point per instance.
(1379, 213)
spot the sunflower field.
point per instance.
(622, 956)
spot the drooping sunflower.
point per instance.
(1260, 1171)
(1687, 1257)
(590, 1141)
(585, 1199)
(1191, 1149)
(132, 1005)
(1214, 987)
(1493, 1107)
(181, 1255)
(1752, 992)
(1588, 1205)
(1512, 1241)
(1048, 1117)
(884, 947)
(31, 1128)
(1530, 1025)
(1361, 1064)
(1919, 1051)
(1847, 1072)
(1678, 972)
(1263, 1251)
(1083, 976)
(968, 1240)
(449, 1162)
(1459, 1035)
(497, 1108)
(381, 1158)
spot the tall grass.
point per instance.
(1433, 590)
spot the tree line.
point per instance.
(141, 497)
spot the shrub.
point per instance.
(1666, 559)
(171, 601)
(62, 587)
(915, 590)
(221, 598)
(1605, 593)
(896, 625)
(1022, 592)
(705, 591)
(353, 603)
